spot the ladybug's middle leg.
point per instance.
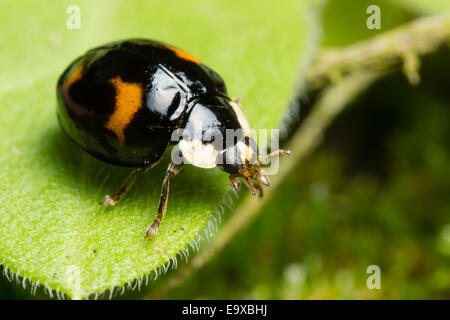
(172, 171)
(126, 186)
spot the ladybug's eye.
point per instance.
(230, 160)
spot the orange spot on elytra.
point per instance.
(183, 55)
(128, 102)
(76, 75)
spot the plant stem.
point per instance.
(403, 44)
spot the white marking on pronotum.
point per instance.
(241, 118)
(197, 153)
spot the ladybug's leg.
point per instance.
(172, 171)
(236, 185)
(128, 183)
(259, 188)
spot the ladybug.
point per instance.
(127, 102)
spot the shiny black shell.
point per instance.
(121, 102)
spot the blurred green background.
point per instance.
(376, 192)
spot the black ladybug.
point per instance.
(127, 101)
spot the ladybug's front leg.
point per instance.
(172, 171)
(126, 186)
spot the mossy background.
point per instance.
(375, 192)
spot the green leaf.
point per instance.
(53, 231)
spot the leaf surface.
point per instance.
(52, 229)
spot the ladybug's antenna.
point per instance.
(274, 153)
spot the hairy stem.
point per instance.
(403, 44)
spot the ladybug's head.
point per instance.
(243, 161)
(216, 133)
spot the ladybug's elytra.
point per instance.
(123, 102)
